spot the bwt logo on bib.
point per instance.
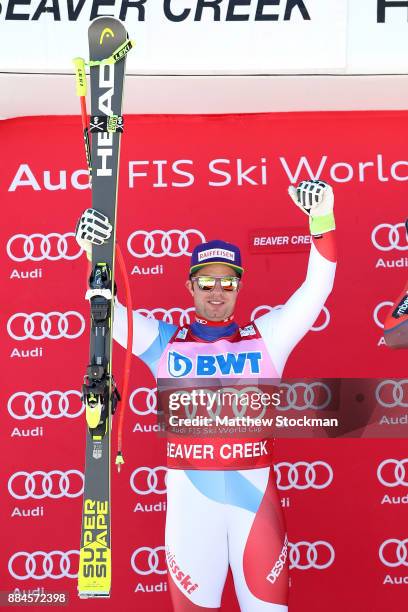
(211, 365)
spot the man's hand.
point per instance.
(315, 199)
(92, 228)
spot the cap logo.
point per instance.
(211, 253)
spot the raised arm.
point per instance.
(150, 336)
(396, 323)
(284, 327)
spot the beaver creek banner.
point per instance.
(185, 180)
(214, 36)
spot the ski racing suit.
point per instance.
(396, 323)
(224, 510)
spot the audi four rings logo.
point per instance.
(148, 399)
(392, 393)
(178, 316)
(147, 560)
(52, 325)
(394, 553)
(264, 308)
(39, 565)
(379, 308)
(145, 480)
(39, 405)
(392, 472)
(386, 237)
(39, 484)
(159, 243)
(307, 555)
(302, 475)
(302, 396)
(37, 247)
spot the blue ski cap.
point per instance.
(216, 251)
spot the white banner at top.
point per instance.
(213, 36)
(181, 36)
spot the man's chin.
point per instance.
(216, 317)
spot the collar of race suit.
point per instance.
(213, 330)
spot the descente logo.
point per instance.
(403, 307)
(210, 365)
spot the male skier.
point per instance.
(223, 508)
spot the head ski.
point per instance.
(108, 46)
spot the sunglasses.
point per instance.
(207, 283)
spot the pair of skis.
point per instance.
(108, 47)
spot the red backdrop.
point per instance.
(363, 155)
